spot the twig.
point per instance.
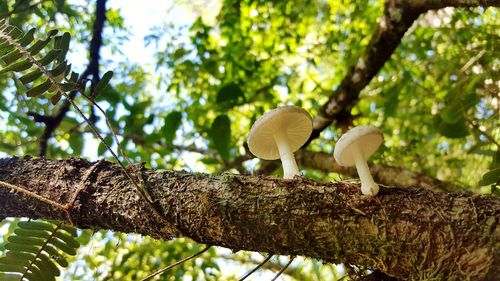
(21, 10)
(108, 123)
(92, 69)
(485, 134)
(283, 269)
(175, 264)
(256, 268)
(33, 195)
(472, 60)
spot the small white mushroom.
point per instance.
(278, 134)
(354, 148)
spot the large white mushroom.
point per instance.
(278, 134)
(354, 148)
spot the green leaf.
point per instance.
(12, 260)
(62, 43)
(4, 8)
(490, 177)
(38, 225)
(73, 77)
(69, 229)
(20, 257)
(67, 238)
(38, 46)
(59, 69)
(40, 89)
(109, 94)
(31, 76)
(230, 94)
(220, 134)
(452, 112)
(63, 246)
(56, 255)
(11, 268)
(172, 123)
(27, 38)
(69, 86)
(391, 103)
(11, 57)
(22, 247)
(10, 277)
(25, 240)
(37, 274)
(451, 130)
(50, 57)
(209, 161)
(48, 265)
(457, 108)
(13, 31)
(32, 233)
(76, 143)
(55, 98)
(36, 247)
(102, 83)
(18, 66)
(101, 149)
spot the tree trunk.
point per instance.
(405, 232)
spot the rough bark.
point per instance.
(407, 233)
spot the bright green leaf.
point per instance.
(490, 177)
(101, 149)
(451, 130)
(76, 143)
(102, 83)
(230, 94)
(40, 89)
(31, 76)
(172, 123)
(220, 134)
(452, 112)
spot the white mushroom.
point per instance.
(278, 134)
(354, 148)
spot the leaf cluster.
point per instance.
(37, 250)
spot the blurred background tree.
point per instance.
(210, 68)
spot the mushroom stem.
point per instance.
(290, 168)
(368, 185)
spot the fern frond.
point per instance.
(41, 71)
(36, 249)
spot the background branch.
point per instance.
(17, 9)
(398, 17)
(92, 70)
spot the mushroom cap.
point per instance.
(366, 138)
(295, 122)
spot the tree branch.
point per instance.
(398, 17)
(407, 233)
(17, 9)
(439, 4)
(91, 70)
